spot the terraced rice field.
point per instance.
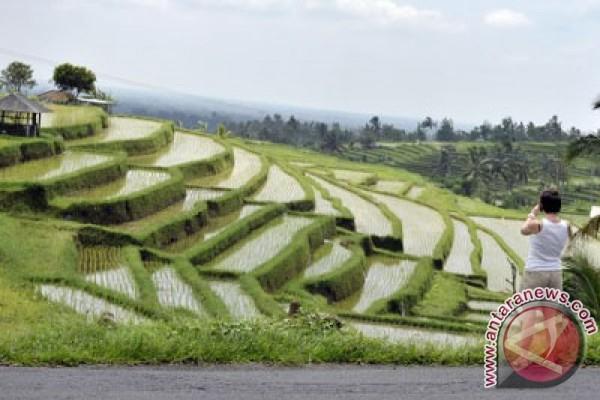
(459, 259)
(90, 306)
(135, 180)
(119, 280)
(422, 227)
(475, 316)
(354, 177)
(280, 187)
(68, 116)
(322, 205)
(510, 231)
(262, 246)
(495, 263)
(391, 187)
(214, 227)
(332, 255)
(484, 306)
(300, 164)
(369, 219)
(208, 194)
(245, 211)
(187, 147)
(52, 167)
(415, 192)
(172, 292)
(239, 304)
(588, 248)
(122, 128)
(383, 280)
(104, 266)
(229, 251)
(191, 200)
(418, 337)
(246, 165)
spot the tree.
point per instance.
(478, 170)
(553, 129)
(428, 123)
(222, 131)
(374, 125)
(328, 138)
(370, 133)
(73, 77)
(101, 95)
(367, 139)
(583, 281)
(446, 159)
(446, 131)
(16, 77)
(420, 133)
(586, 145)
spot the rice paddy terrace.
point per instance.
(136, 222)
(580, 191)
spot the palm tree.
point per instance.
(446, 159)
(583, 282)
(584, 146)
(587, 145)
(478, 169)
(222, 131)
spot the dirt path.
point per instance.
(259, 382)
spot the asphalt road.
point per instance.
(252, 382)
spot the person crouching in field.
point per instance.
(548, 240)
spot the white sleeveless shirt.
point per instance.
(546, 248)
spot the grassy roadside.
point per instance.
(289, 342)
(285, 342)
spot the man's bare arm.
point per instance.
(531, 226)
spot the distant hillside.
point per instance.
(189, 109)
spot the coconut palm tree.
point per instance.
(583, 282)
(587, 145)
(478, 171)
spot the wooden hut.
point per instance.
(56, 97)
(20, 115)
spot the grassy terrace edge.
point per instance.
(98, 120)
(123, 208)
(14, 150)
(144, 145)
(38, 195)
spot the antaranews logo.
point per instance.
(536, 338)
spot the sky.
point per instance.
(467, 60)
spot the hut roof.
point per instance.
(56, 96)
(15, 102)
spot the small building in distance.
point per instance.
(106, 105)
(21, 116)
(56, 97)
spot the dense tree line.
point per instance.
(274, 128)
(330, 137)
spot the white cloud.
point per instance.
(381, 12)
(505, 18)
(387, 11)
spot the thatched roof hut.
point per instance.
(20, 115)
